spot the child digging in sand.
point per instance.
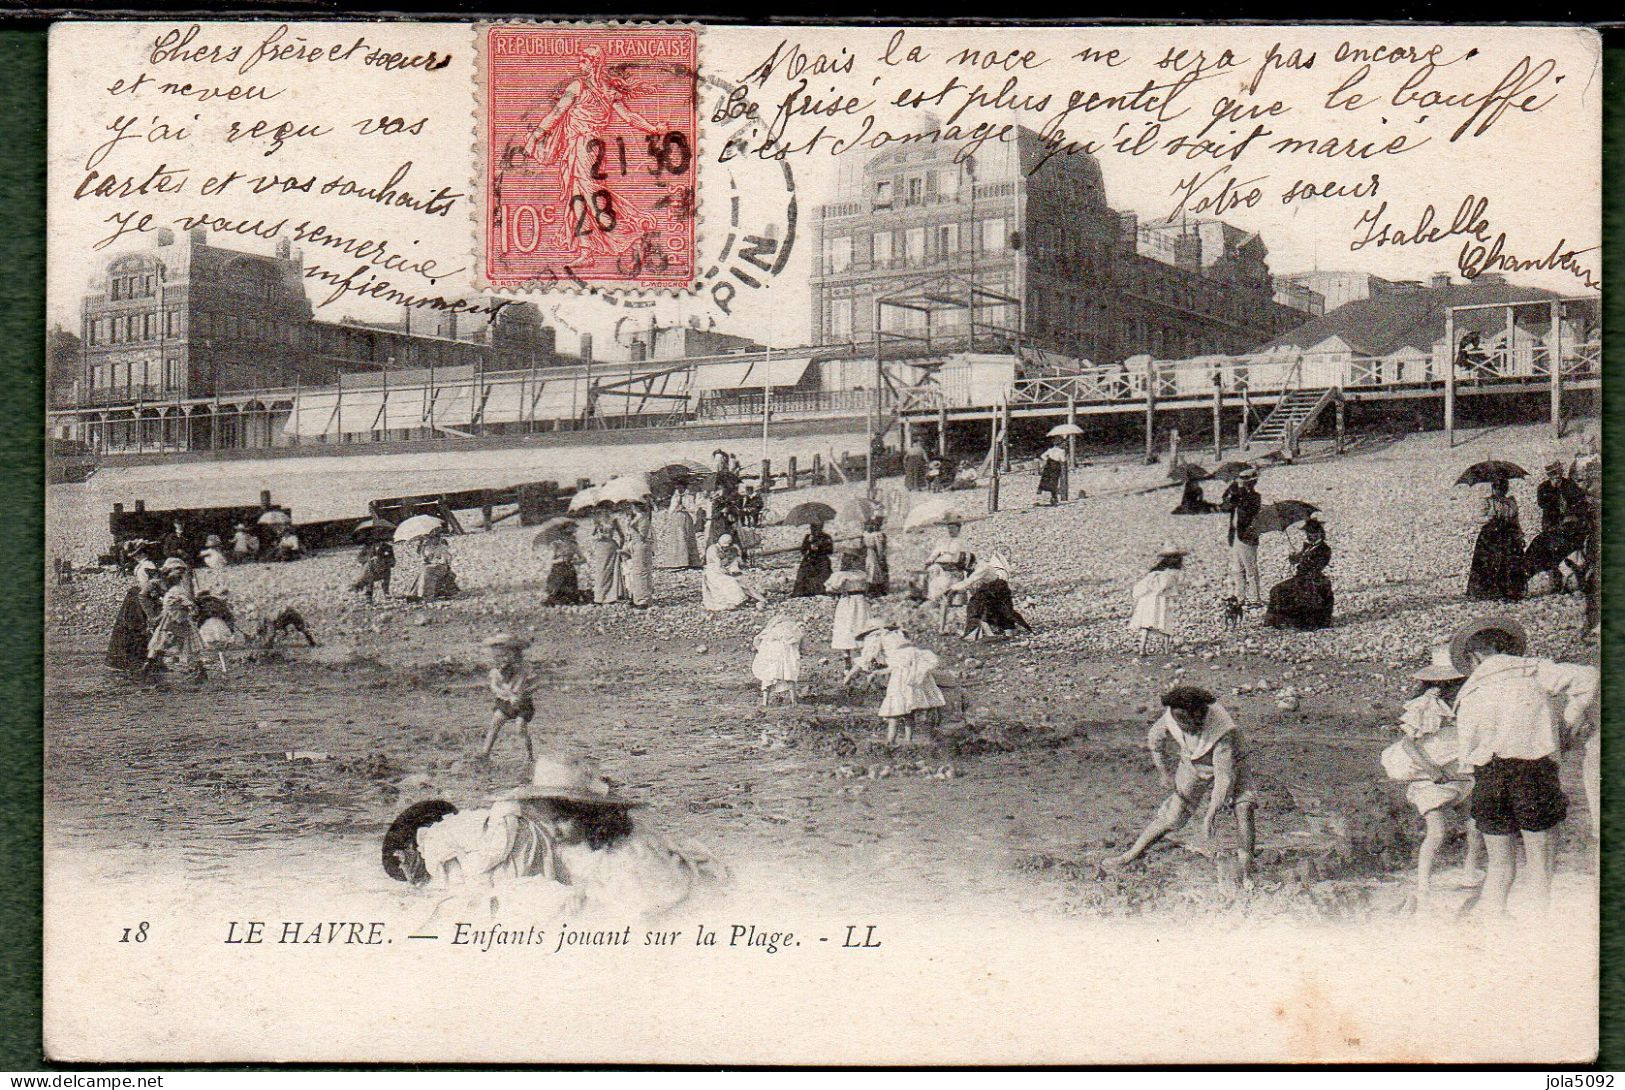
(511, 686)
(778, 659)
(1210, 762)
(1426, 759)
(911, 690)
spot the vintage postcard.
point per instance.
(657, 542)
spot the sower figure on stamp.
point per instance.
(572, 137)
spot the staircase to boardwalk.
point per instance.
(1292, 417)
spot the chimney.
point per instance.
(1439, 280)
(166, 237)
(198, 236)
(586, 346)
(284, 247)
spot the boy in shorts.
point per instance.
(1210, 762)
(511, 685)
(1513, 717)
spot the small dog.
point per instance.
(1234, 611)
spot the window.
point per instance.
(949, 184)
(882, 195)
(883, 248)
(995, 237)
(838, 254)
(916, 192)
(840, 319)
(915, 240)
(946, 239)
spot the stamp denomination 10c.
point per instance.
(591, 155)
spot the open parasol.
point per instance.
(587, 497)
(418, 526)
(274, 517)
(808, 514)
(1062, 431)
(936, 511)
(1281, 514)
(673, 476)
(1188, 471)
(632, 488)
(1492, 470)
(1229, 471)
(372, 527)
(552, 530)
(860, 510)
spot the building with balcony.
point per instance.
(1055, 266)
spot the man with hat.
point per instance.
(1514, 715)
(511, 686)
(1558, 498)
(1210, 762)
(1426, 760)
(1242, 501)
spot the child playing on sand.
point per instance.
(851, 607)
(1151, 596)
(511, 686)
(1210, 762)
(1425, 759)
(778, 659)
(871, 657)
(910, 688)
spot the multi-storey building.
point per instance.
(1033, 227)
(184, 319)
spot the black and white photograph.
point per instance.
(880, 545)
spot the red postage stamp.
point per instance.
(591, 155)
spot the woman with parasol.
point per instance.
(1497, 570)
(637, 554)
(674, 540)
(604, 547)
(1051, 463)
(377, 555)
(1304, 599)
(816, 548)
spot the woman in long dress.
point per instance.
(992, 608)
(132, 629)
(814, 570)
(1497, 570)
(674, 538)
(945, 566)
(1304, 599)
(175, 637)
(436, 579)
(636, 527)
(1051, 463)
(721, 588)
(604, 555)
(694, 504)
(875, 563)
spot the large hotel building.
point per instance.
(1034, 228)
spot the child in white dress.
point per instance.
(1425, 759)
(1151, 595)
(910, 687)
(871, 656)
(778, 659)
(849, 586)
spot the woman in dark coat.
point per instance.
(991, 608)
(1304, 600)
(1191, 500)
(127, 646)
(1497, 570)
(814, 570)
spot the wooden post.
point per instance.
(790, 473)
(1150, 412)
(1218, 422)
(818, 469)
(942, 431)
(1555, 363)
(265, 497)
(993, 458)
(765, 481)
(1071, 446)
(1338, 408)
(485, 517)
(1004, 439)
(1449, 378)
(1173, 447)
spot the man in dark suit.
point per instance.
(1241, 499)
